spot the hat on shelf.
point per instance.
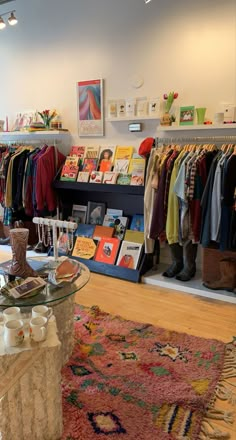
(146, 146)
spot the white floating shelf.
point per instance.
(196, 127)
(133, 118)
(32, 133)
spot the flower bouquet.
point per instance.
(167, 118)
(47, 116)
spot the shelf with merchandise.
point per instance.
(133, 118)
(99, 187)
(203, 127)
(33, 133)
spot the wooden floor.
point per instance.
(166, 308)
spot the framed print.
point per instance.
(90, 107)
(186, 116)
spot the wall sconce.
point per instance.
(12, 20)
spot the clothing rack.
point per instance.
(195, 139)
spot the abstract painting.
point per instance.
(90, 107)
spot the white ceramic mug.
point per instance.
(42, 311)
(38, 328)
(11, 313)
(13, 332)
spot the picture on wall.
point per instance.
(90, 107)
(186, 115)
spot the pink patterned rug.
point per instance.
(133, 381)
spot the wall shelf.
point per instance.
(32, 133)
(134, 118)
(99, 187)
(197, 127)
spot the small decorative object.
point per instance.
(167, 118)
(19, 266)
(186, 115)
(201, 115)
(66, 271)
(47, 116)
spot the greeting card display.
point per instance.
(110, 177)
(69, 173)
(96, 177)
(83, 176)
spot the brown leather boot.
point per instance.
(227, 280)
(19, 266)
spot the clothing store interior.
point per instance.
(117, 219)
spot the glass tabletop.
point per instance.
(50, 292)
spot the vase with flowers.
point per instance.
(47, 116)
(168, 118)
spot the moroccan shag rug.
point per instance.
(133, 381)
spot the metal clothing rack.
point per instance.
(215, 139)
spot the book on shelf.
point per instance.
(134, 236)
(85, 230)
(137, 164)
(79, 213)
(69, 173)
(83, 176)
(110, 177)
(92, 152)
(129, 255)
(71, 161)
(113, 211)
(137, 178)
(123, 179)
(107, 250)
(77, 151)
(89, 165)
(106, 158)
(119, 224)
(96, 177)
(103, 231)
(137, 223)
(121, 165)
(123, 152)
(84, 248)
(95, 213)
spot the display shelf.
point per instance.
(203, 127)
(133, 118)
(32, 133)
(99, 187)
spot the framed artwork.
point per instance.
(186, 116)
(90, 107)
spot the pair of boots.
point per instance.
(227, 279)
(183, 265)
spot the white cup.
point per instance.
(42, 311)
(11, 313)
(218, 118)
(38, 328)
(13, 332)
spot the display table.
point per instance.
(60, 298)
(30, 389)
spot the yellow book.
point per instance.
(134, 236)
(84, 248)
(123, 152)
(136, 165)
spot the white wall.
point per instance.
(188, 46)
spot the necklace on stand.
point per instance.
(70, 240)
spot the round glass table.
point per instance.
(59, 297)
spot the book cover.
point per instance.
(123, 152)
(78, 151)
(92, 152)
(137, 178)
(85, 230)
(79, 213)
(84, 248)
(71, 160)
(107, 250)
(119, 224)
(137, 165)
(113, 211)
(121, 165)
(95, 213)
(103, 231)
(134, 236)
(106, 158)
(137, 223)
(83, 176)
(96, 177)
(69, 173)
(129, 255)
(89, 165)
(110, 177)
(123, 179)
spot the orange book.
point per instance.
(107, 250)
(103, 231)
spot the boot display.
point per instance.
(227, 279)
(19, 266)
(190, 255)
(177, 261)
